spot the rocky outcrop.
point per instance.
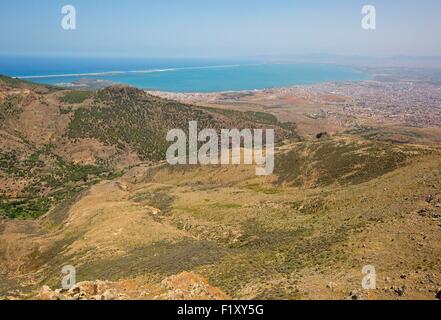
(87, 290)
(183, 286)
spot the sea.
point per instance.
(175, 75)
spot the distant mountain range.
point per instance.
(358, 60)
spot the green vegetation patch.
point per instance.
(18, 83)
(226, 205)
(25, 209)
(161, 200)
(75, 97)
(50, 181)
(13, 82)
(10, 107)
(125, 117)
(128, 117)
(257, 187)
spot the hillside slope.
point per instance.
(55, 143)
(249, 237)
(85, 167)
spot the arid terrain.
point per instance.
(357, 182)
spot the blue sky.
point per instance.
(224, 28)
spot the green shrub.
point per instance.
(75, 97)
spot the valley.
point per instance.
(84, 183)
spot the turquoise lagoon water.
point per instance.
(175, 75)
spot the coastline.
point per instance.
(207, 79)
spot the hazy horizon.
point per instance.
(230, 29)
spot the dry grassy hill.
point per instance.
(157, 231)
(55, 143)
(249, 237)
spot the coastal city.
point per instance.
(413, 104)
